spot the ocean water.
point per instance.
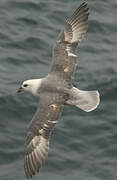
(83, 145)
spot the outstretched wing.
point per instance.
(51, 104)
(40, 128)
(64, 57)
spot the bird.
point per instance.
(56, 90)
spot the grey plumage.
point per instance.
(40, 128)
(54, 91)
(64, 58)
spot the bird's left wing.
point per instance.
(40, 128)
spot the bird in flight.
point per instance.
(56, 90)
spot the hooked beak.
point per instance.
(19, 90)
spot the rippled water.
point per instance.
(83, 145)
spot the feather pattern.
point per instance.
(39, 131)
(53, 99)
(64, 55)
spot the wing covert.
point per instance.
(51, 103)
(64, 55)
(39, 131)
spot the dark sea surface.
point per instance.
(83, 145)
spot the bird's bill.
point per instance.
(19, 90)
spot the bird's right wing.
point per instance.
(77, 25)
(64, 57)
(40, 128)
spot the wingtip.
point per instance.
(85, 4)
(77, 24)
(35, 158)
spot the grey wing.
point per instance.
(40, 128)
(64, 57)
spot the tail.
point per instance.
(85, 100)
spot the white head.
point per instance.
(31, 86)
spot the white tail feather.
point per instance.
(85, 100)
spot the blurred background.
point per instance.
(83, 145)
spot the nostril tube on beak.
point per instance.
(19, 90)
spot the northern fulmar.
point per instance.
(56, 90)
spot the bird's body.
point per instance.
(56, 90)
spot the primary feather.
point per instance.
(55, 91)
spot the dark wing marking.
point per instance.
(40, 128)
(51, 104)
(64, 58)
(77, 25)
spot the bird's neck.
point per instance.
(36, 84)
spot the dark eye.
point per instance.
(25, 85)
